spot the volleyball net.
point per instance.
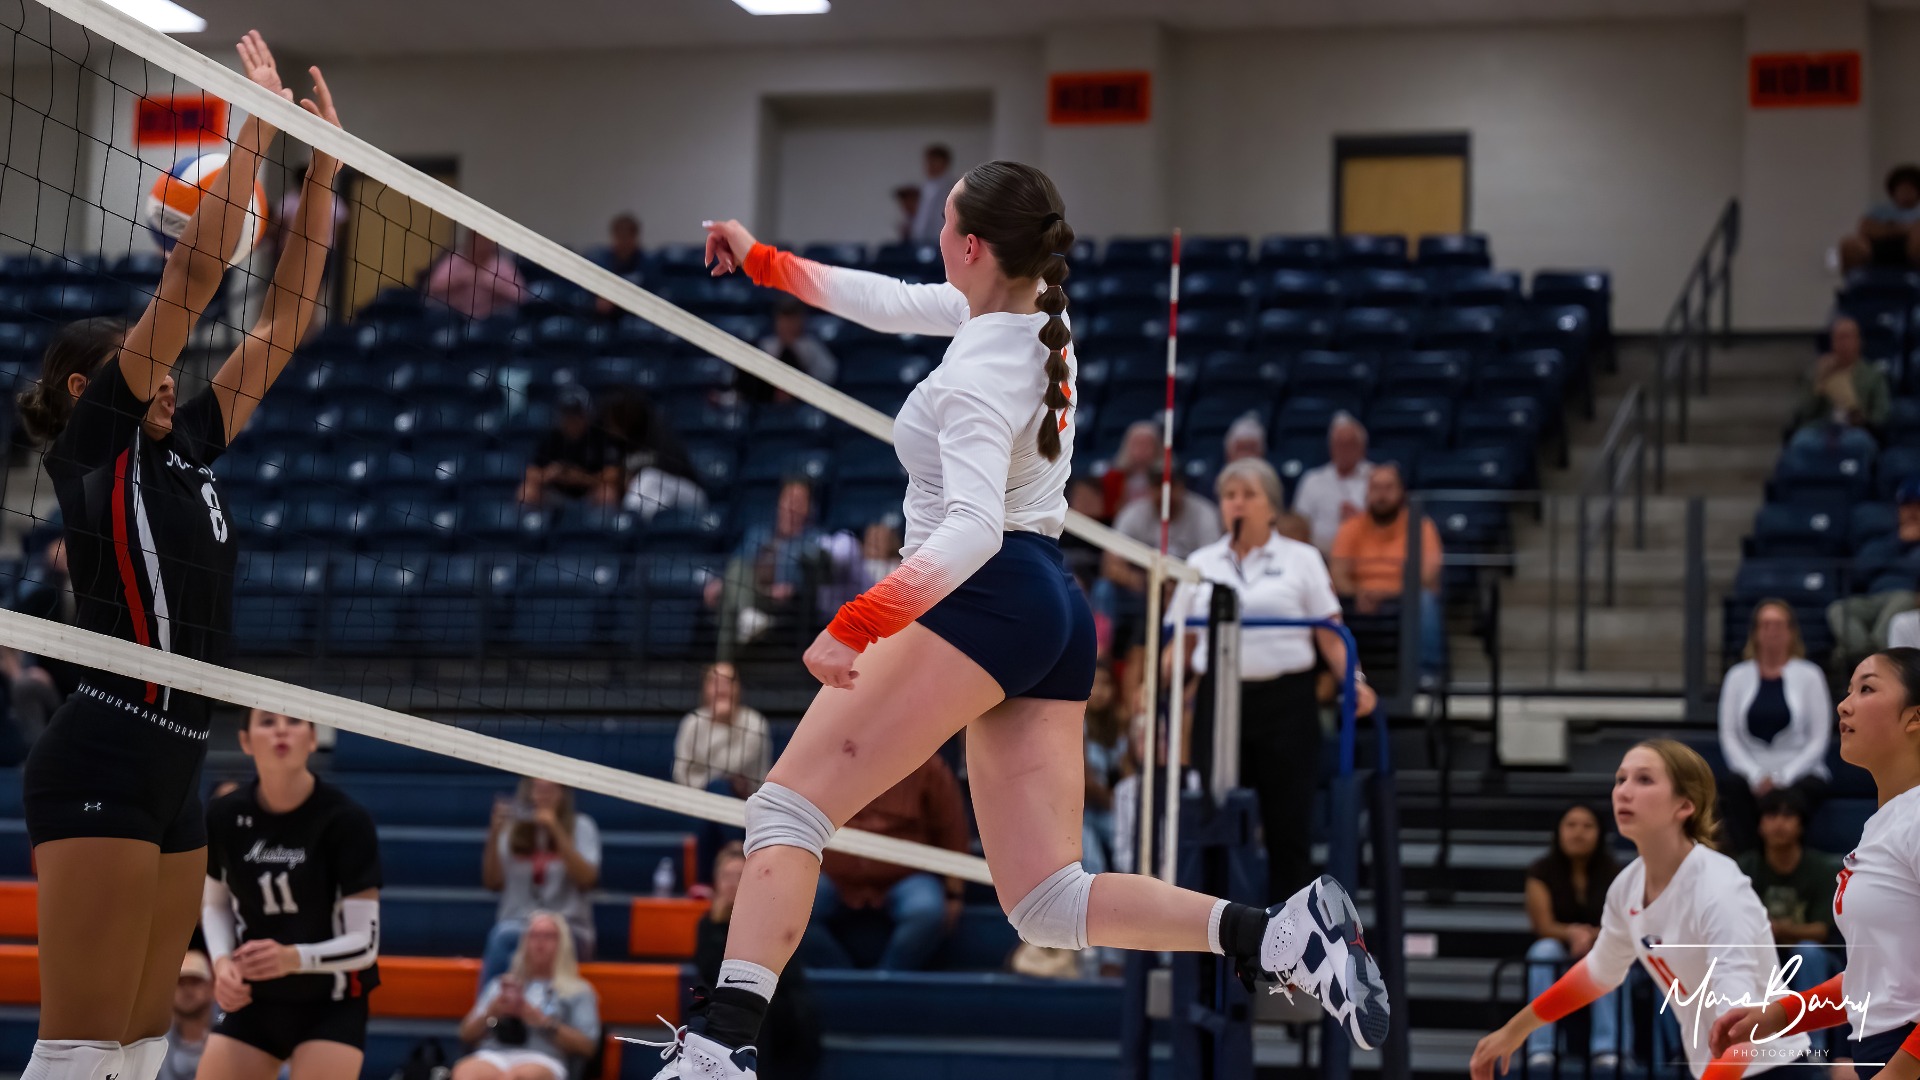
(507, 503)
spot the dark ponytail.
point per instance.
(1018, 212)
(78, 349)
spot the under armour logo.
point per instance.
(86, 807)
(246, 821)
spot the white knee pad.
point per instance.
(782, 817)
(1054, 914)
(143, 1059)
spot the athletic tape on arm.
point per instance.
(366, 158)
(45, 638)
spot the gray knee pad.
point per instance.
(1054, 914)
(782, 817)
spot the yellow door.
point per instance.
(1413, 195)
(390, 238)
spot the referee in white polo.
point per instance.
(1276, 578)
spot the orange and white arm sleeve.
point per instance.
(1821, 1007)
(1570, 993)
(875, 301)
(976, 447)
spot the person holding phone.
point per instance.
(540, 855)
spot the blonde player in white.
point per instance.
(1684, 911)
(980, 628)
(1877, 901)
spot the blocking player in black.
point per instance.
(291, 916)
(111, 789)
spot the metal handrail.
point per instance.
(1622, 457)
(1685, 337)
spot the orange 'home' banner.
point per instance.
(1803, 80)
(1099, 97)
(179, 118)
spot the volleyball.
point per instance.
(173, 198)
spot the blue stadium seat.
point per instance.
(1362, 250)
(1142, 252)
(1288, 330)
(886, 366)
(1419, 423)
(1838, 823)
(1209, 330)
(1455, 249)
(504, 524)
(360, 420)
(1590, 289)
(708, 422)
(1212, 252)
(1251, 374)
(1341, 375)
(1473, 329)
(1797, 581)
(1146, 366)
(839, 254)
(1475, 527)
(411, 525)
(1880, 287)
(1540, 374)
(1565, 327)
(1311, 290)
(856, 504)
(583, 527)
(1296, 253)
(792, 422)
(1896, 464)
(1789, 531)
(671, 601)
(904, 259)
(1129, 323)
(685, 530)
(1306, 417)
(770, 461)
(1226, 289)
(1213, 412)
(1384, 288)
(1433, 373)
(1820, 478)
(1477, 288)
(1481, 468)
(1295, 456)
(1136, 287)
(1375, 329)
(1124, 407)
(275, 599)
(1870, 521)
(431, 420)
(702, 374)
(715, 464)
(1500, 422)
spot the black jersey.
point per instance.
(288, 874)
(149, 545)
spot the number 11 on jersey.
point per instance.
(284, 905)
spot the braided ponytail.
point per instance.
(1016, 209)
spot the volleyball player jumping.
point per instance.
(981, 628)
(111, 790)
(1877, 904)
(291, 915)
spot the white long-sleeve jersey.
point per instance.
(968, 434)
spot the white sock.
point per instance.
(740, 975)
(1213, 928)
(73, 1059)
(143, 1059)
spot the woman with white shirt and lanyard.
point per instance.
(1276, 578)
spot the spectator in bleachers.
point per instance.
(793, 346)
(790, 1039)
(192, 1018)
(1845, 401)
(1566, 896)
(1369, 561)
(769, 572)
(1890, 233)
(722, 745)
(1891, 565)
(538, 1020)
(1776, 719)
(1129, 474)
(654, 467)
(476, 279)
(1246, 438)
(931, 214)
(575, 460)
(1328, 495)
(623, 256)
(540, 855)
(907, 198)
(1293, 526)
(37, 685)
(1106, 763)
(925, 808)
(1795, 883)
(856, 564)
(1193, 521)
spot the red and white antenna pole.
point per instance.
(1156, 580)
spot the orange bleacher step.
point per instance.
(665, 928)
(19, 909)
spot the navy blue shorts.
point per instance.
(1024, 619)
(1879, 1047)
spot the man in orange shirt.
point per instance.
(1369, 559)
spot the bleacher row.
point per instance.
(1826, 529)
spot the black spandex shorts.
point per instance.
(111, 768)
(276, 1027)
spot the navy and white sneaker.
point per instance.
(693, 1056)
(1313, 943)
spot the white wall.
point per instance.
(1606, 144)
(562, 142)
(1895, 93)
(835, 165)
